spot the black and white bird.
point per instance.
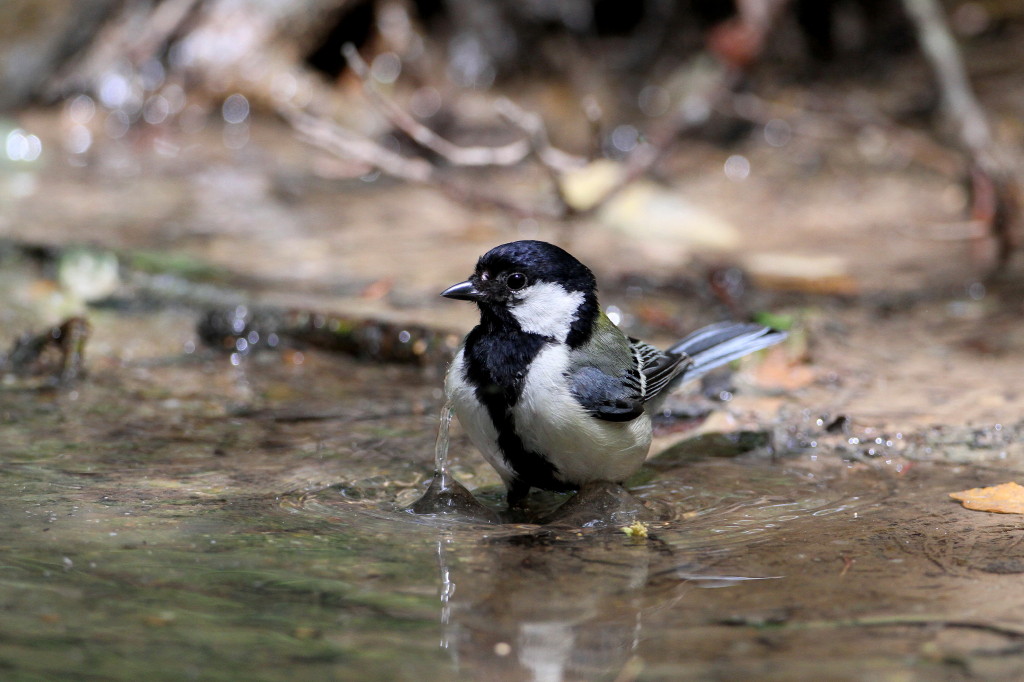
(549, 390)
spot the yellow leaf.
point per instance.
(637, 529)
(1006, 498)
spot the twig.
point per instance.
(139, 32)
(537, 136)
(941, 50)
(537, 144)
(995, 190)
(1009, 630)
(756, 19)
(553, 161)
(660, 139)
(505, 155)
(347, 144)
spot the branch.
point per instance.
(957, 98)
(995, 190)
(507, 155)
(348, 145)
(540, 145)
(1009, 630)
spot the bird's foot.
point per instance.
(600, 504)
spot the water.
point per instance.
(181, 514)
(446, 497)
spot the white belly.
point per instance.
(474, 418)
(551, 422)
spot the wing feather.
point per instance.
(657, 367)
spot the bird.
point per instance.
(549, 389)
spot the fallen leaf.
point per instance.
(375, 291)
(661, 228)
(637, 529)
(1006, 498)
(777, 371)
(583, 187)
(817, 274)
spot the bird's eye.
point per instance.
(516, 281)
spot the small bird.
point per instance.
(549, 390)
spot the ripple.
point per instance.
(729, 504)
(717, 506)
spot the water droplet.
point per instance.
(614, 314)
(386, 68)
(777, 132)
(737, 168)
(114, 90)
(625, 138)
(116, 124)
(235, 108)
(654, 101)
(81, 109)
(156, 109)
(425, 102)
(22, 146)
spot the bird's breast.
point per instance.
(549, 420)
(474, 416)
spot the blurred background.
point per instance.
(352, 158)
(840, 147)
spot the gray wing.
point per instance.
(622, 398)
(659, 368)
(607, 397)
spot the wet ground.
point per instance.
(182, 512)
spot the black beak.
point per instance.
(463, 291)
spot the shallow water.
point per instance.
(184, 515)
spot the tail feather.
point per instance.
(718, 344)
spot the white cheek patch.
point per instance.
(547, 309)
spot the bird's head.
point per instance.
(534, 286)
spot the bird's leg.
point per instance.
(516, 495)
(603, 503)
